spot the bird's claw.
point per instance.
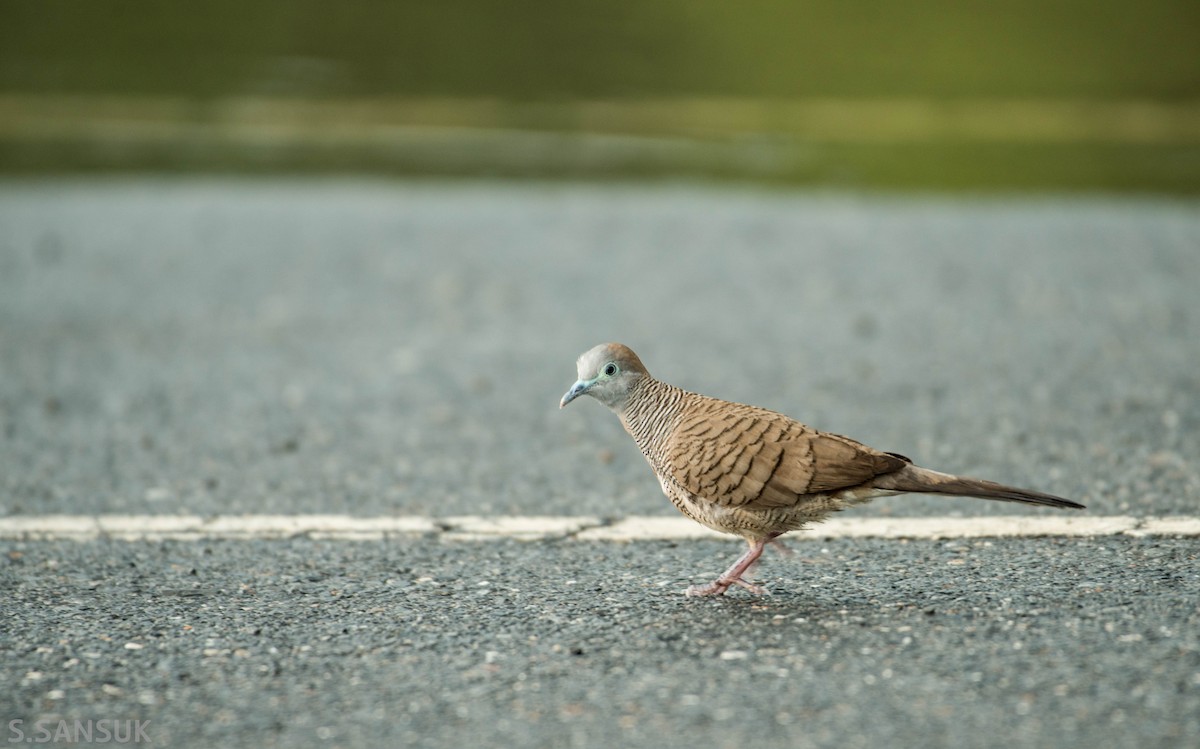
(720, 585)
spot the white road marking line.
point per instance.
(1168, 526)
(579, 528)
(525, 527)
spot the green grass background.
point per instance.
(525, 52)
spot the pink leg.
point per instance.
(733, 575)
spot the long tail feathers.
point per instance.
(922, 480)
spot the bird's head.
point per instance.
(608, 373)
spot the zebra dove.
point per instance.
(752, 472)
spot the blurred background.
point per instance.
(306, 257)
(1013, 95)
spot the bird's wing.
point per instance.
(743, 456)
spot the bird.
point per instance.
(751, 472)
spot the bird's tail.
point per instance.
(911, 478)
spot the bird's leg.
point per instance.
(733, 575)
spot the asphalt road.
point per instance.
(378, 348)
(1040, 642)
(373, 348)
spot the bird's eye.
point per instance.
(610, 369)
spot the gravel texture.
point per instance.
(300, 643)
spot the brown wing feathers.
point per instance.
(743, 456)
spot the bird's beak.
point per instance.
(578, 389)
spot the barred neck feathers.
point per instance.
(651, 412)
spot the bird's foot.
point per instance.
(757, 590)
(716, 588)
(720, 585)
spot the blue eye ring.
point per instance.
(610, 370)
